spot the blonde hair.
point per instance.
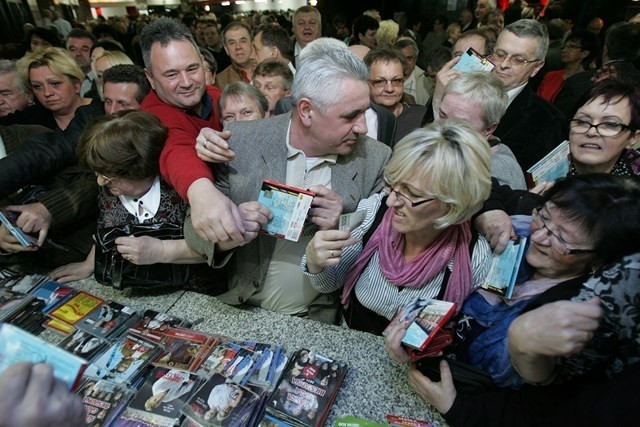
(387, 32)
(57, 59)
(114, 57)
(453, 160)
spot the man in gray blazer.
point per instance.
(321, 145)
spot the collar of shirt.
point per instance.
(242, 73)
(515, 92)
(372, 123)
(292, 152)
(145, 207)
(3, 151)
(296, 49)
(292, 68)
(207, 107)
(410, 83)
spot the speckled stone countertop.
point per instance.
(375, 385)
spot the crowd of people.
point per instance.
(169, 126)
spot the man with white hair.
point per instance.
(480, 99)
(321, 145)
(14, 93)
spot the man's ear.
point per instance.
(489, 131)
(585, 53)
(149, 76)
(537, 68)
(304, 109)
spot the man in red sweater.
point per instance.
(183, 102)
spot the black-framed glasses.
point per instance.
(381, 83)
(603, 129)
(502, 56)
(409, 200)
(556, 241)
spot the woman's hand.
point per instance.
(75, 270)
(71, 272)
(325, 249)
(143, 250)
(439, 394)
(393, 340)
(560, 328)
(212, 146)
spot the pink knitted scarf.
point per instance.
(452, 243)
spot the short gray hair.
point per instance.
(308, 9)
(163, 30)
(484, 89)
(323, 65)
(532, 29)
(403, 42)
(9, 67)
(237, 90)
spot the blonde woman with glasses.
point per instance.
(418, 238)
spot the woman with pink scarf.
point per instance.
(416, 240)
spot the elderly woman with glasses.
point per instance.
(572, 327)
(124, 151)
(388, 68)
(417, 241)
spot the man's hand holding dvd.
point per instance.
(289, 205)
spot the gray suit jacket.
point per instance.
(261, 153)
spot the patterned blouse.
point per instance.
(628, 164)
(616, 342)
(113, 213)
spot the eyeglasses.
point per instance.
(603, 129)
(412, 203)
(518, 61)
(382, 83)
(571, 46)
(556, 241)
